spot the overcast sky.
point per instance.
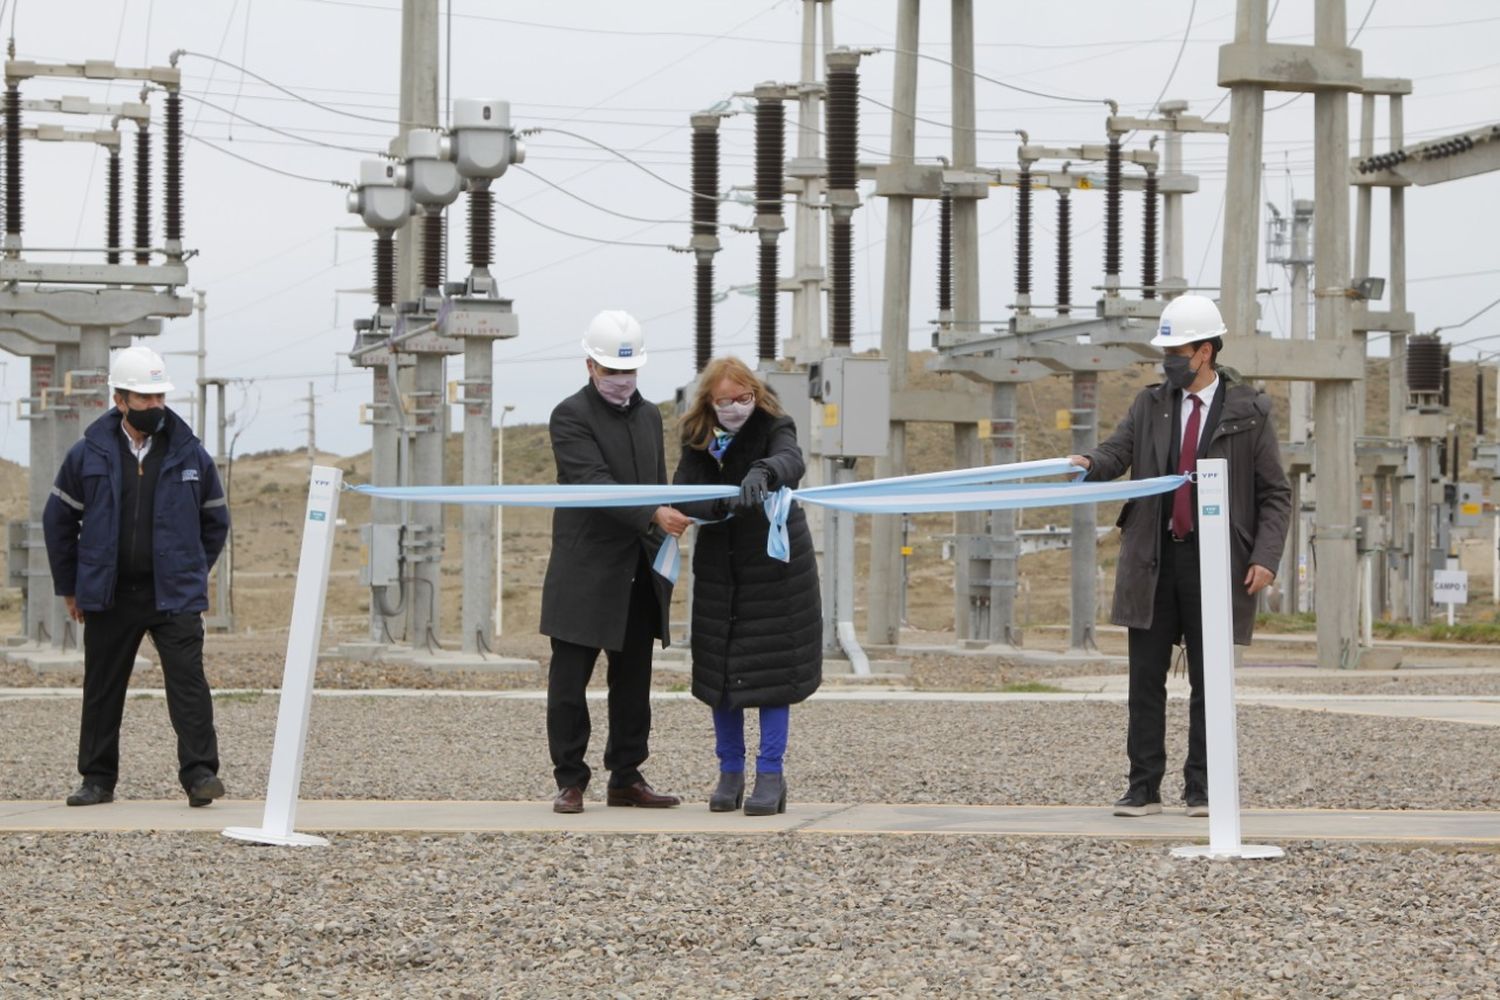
(273, 255)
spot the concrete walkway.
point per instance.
(1467, 709)
(802, 818)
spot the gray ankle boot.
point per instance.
(769, 797)
(729, 793)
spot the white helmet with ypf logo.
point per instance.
(1188, 319)
(615, 340)
(139, 369)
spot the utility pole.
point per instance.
(884, 623)
(419, 109)
(1337, 599)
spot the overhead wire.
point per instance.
(266, 166)
(580, 236)
(615, 152)
(293, 94)
(990, 79)
(580, 198)
(290, 134)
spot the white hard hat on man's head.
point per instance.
(615, 340)
(139, 369)
(1188, 319)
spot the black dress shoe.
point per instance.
(1138, 801)
(205, 790)
(642, 795)
(769, 797)
(90, 794)
(729, 793)
(569, 800)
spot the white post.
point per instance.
(285, 779)
(1218, 672)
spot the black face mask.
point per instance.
(146, 421)
(1179, 373)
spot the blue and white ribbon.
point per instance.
(995, 487)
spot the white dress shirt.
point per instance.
(1206, 395)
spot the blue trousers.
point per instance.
(729, 737)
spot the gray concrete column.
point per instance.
(1240, 260)
(884, 599)
(38, 617)
(1004, 565)
(1084, 607)
(67, 427)
(429, 420)
(386, 616)
(479, 470)
(1337, 596)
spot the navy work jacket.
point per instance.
(82, 518)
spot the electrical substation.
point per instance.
(1375, 508)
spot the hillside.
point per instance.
(268, 491)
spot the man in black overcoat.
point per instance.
(601, 592)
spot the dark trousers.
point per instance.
(1178, 614)
(629, 680)
(111, 640)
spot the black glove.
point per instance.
(753, 489)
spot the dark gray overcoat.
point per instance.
(757, 621)
(596, 552)
(1239, 428)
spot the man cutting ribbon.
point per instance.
(1202, 411)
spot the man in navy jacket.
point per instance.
(135, 520)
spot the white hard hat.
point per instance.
(139, 369)
(615, 340)
(1188, 319)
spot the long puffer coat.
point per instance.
(757, 621)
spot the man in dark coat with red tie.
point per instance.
(1202, 410)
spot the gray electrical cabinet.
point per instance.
(1469, 510)
(383, 565)
(791, 389)
(854, 416)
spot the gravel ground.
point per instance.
(789, 916)
(1464, 685)
(239, 664)
(1012, 753)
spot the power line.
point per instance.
(590, 204)
(616, 152)
(291, 93)
(267, 166)
(1455, 326)
(933, 121)
(990, 79)
(282, 131)
(580, 236)
(1186, 33)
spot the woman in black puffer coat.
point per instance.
(757, 621)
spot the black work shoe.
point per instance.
(1197, 804)
(205, 790)
(90, 794)
(1138, 802)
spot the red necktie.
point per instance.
(1182, 500)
